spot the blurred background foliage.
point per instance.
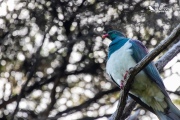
(55, 49)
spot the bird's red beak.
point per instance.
(105, 36)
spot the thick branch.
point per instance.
(127, 110)
(147, 59)
(168, 56)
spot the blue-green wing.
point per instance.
(139, 52)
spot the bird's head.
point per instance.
(113, 34)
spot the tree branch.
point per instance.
(127, 110)
(86, 103)
(30, 75)
(175, 92)
(146, 60)
(169, 55)
(44, 114)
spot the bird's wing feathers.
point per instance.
(138, 100)
(139, 52)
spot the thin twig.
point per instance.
(135, 115)
(30, 75)
(175, 92)
(45, 113)
(146, 60)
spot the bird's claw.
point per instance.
(122, 84)
(126, 74)
(122, 81)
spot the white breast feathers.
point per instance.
(119, 62)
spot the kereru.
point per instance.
(147, 89)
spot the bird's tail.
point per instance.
(173, 113)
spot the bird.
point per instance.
(148, 88)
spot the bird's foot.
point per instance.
(126, 74)
(121, 84)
